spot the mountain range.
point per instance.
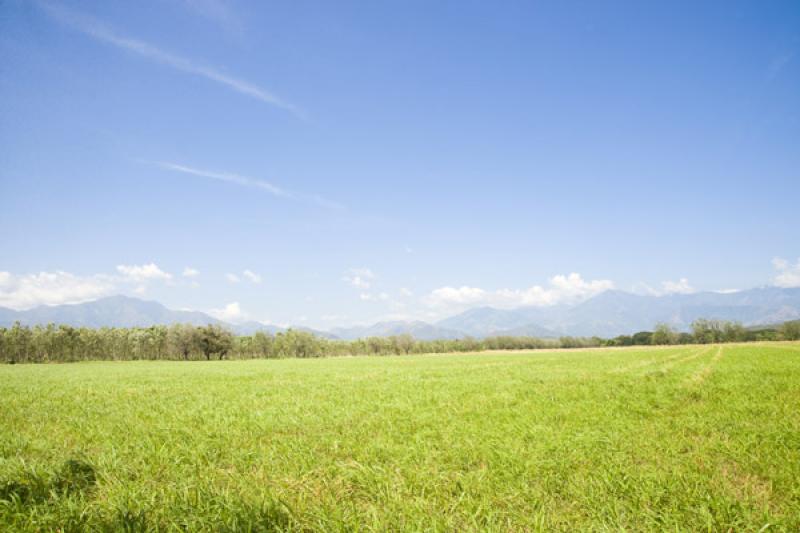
(615, 312)
(608, 314)
(126, 312)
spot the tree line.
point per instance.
(706, 331)
(62, 343)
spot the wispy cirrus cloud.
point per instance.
(101, 32)
(246, 181)
(227, 176)
(216, 11)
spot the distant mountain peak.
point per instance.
(607, 314)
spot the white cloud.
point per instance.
(460, 296)
(230, 313)
(249, 275)
(360, 278)
(101, 32)
(728, 291)
(252, 276)
(681, 286)
(788, 274)
(676, 287)
(359, 282)
(51, 288)
(561, 289)
(59, 287)
(190, 272)
(370, 297)
(406, 292)
(142, 273)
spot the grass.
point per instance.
(677, 438)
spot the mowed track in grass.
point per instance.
(680, 438)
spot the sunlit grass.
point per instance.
(680, 438)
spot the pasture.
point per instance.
(674, 438)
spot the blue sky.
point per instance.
(328, 163)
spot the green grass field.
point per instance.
(675, 438)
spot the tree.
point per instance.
(790, 331)
(642, 337)
(263, 344)
(569, 342)
(621, 340)
(733, 332)
(183, 339)
(19, 341)
(215, 340)
(706, 331)
(664, 334)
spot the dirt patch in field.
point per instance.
(746, 487)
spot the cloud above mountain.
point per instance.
(51, 288)
(373, 295)
(25, 291)
(560, 289)
(788, 274)
(140, 273)
(681, 286)
(232, 313)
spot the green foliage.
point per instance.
(621, 340)
(214, 340)
(51, 343)
(664, 334)
(673, 438)
(707, 331)
(791, 330)
(186, 342)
